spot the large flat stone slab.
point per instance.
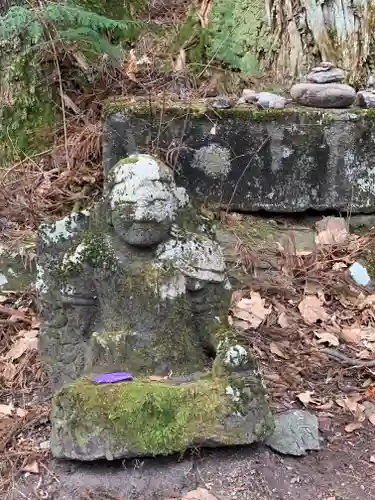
(279, 160)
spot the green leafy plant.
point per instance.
(33, 41)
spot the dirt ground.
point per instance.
(342, 470)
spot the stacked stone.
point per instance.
(323, 88)
(366, 97)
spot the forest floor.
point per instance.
(315, 356)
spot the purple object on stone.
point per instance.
(110, 378)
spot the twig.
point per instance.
(342, 358)
(266, 140)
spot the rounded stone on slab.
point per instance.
(223, 102)
(266, 100)
(323, 95)
(321, 75)
(249, 95)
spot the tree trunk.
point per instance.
(309, 31)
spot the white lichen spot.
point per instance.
(105, 338)
(227, 284)
(68, 290)
(214, 160)
(3, 279)
(62, 229)
(236, 356)
(40, 282)
(147, 187)
(76, 257)
(234, 393)
(237, 414)
(175, 287)
(199, 259)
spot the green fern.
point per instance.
(26, 34)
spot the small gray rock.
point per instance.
(366, 99)
(222, 103)
(324, 66)
(296, 432)
(249, 95)
(269, 100)
(323, 95)
(326, 75)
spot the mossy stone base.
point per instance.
(145, 418)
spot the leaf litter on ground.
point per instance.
(316, 318)
(23, 421)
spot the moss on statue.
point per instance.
(152, 417)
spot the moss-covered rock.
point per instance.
(138, 418)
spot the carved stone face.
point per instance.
(144, 200)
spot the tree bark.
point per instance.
(306, 32)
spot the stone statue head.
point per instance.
(144, 200)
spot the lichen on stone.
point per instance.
(198, 259)
(140, 181)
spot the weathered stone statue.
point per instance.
(139, 285)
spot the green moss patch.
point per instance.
(151, 417)
(295, 114)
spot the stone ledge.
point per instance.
(279, 160)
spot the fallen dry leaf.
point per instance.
(311, 310)
(352, 405)
(283, 320)
(324, 406)
(351, 335)
(199, 494)
(131, 69)
(332, 230)
(252, 310)
(372, 418)
(353, 426)
(327, 337)
(21, 346)
(365, 354)
(275, 349)
(6, 410)
(305, 397)
(338, 266)
(156, 378)
(20, 412)
(31, 467)
(372, 459)
(9, 372)
(364, 302)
